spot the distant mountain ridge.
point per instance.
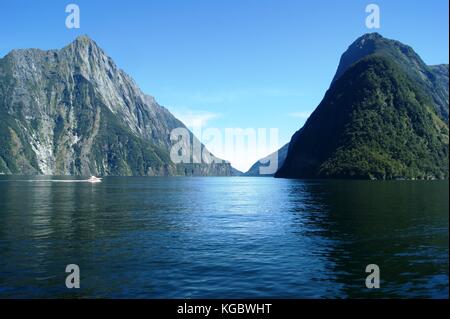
(281, 154)
(385, 116)
(74, 112)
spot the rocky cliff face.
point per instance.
(74, 112)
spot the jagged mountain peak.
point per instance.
(369, 36)
(431, 79)
(84, 48)
(84, 39)
(374, 122)
(384, 116)
(73, 111)
(82, 42)
(82, 56)
(375, 43)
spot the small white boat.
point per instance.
(94, 179)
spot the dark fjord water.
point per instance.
(223, 238)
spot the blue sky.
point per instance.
(228, 64)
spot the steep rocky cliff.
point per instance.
(74, 112)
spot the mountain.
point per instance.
(255, 169)
(74, 112)
(433, 80)
(380, 119)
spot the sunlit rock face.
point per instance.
(74, 112)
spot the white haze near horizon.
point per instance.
(242, 156)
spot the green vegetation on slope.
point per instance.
(74, 112)
(16, 155)
(374, 122)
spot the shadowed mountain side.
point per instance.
(433, 80)
(384, 117)
(373, 123)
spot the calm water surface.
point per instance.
(223, 238)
